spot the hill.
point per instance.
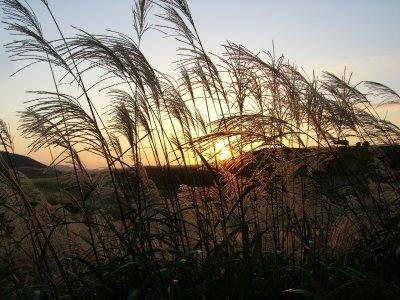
(22, 161)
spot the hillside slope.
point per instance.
(21, 161)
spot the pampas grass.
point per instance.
(306, 204)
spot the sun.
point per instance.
(222, 150)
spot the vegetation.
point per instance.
(303, 203)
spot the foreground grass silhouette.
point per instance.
(304, 205)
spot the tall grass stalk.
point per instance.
(305, 205)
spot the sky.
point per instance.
(317, 35)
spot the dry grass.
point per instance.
(297, 210)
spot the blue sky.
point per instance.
(361, 35)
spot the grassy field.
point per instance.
(265, 184)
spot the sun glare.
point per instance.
(222, 150)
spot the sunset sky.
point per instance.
(361, 35)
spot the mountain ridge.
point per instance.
(21, 161)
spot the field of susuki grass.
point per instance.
(265, 183)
